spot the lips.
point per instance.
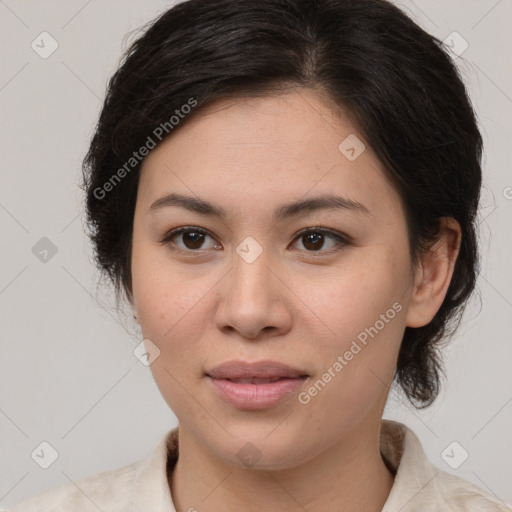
(255, 386)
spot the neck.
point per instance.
(350, 476)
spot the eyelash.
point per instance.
(342, 240)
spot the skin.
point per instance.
(298, 303)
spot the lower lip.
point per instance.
(256, 396)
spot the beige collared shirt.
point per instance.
(143, 486)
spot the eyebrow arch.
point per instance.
(285, 211)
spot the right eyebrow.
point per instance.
(190, 203)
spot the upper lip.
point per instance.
(260, 369)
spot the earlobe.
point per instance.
(434, 274)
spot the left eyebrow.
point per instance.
(323, 202)
(282, 212)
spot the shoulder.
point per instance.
(461, 495)
(90, 493)
(139, 486)
(420, 486)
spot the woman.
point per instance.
(285, 191)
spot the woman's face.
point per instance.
(265, 284)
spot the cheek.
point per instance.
(170, 304)
(172, 313)
(364, 309)
(161, 292)
(353, 296)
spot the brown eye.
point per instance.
(188, 239)
(193, 239)
(313, 240)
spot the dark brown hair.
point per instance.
(398, 83)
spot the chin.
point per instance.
(258, 448)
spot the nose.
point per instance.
(254, 301)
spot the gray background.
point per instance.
(68, 375)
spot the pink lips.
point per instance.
(254, 386)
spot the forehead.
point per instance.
(251, 149)
(284, 126)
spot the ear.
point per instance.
(434, 274)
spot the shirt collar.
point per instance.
(151, 488)
(414, 474)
